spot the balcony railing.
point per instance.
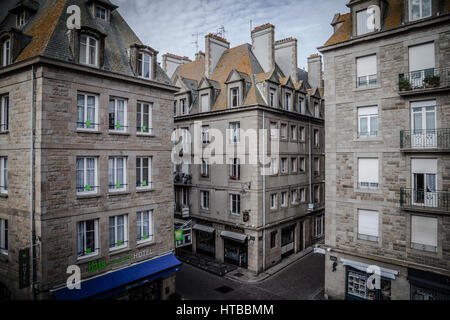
(425, 139)
(182, 178)
(425, 200)
(424, 79)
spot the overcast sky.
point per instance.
(169, 25)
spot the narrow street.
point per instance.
(302, 280)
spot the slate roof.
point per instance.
(393, 19)
(193, 70)
(47, 29)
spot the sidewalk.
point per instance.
(247, 276)
(205, 263)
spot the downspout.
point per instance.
(264, 193)
(310, 163)
(32, 185)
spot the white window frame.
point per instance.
(301, 135)
(140, 119)
(272, 97)
(234, 93)
(99, 9)
(237, 199)
(287, 100)
(284, 166)
(96, 187)
(421, 16)
(22, 20)
(432, 244)
(204, 168)
(4, 113)
(300, 105)
(369, 113)
(368, 233)
(318, 225)
(125, 232)
(117, 128)
(362, 71)
(142, 62)
(273, 130)
(362, 17)
(113, 187)
(87, 50)
(6, 48)
(235, 168)
(294, 196)
(4, 175)
(235, 128)
(316, 138)
(274, 201)
(183, 106)
(92, 126)
(302, 195)
(204, 199)
(4, 236)
(372, 182)
(139, 165)
(96, 242)
(283, 131)
(205, 134)
(294, 132)
(284, 201)
(274, 166)
(140, 226)
(293, 165)
(204, 97)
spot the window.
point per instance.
(301, 133)
(419, 9)
(88, 50)
(273, 239)
(235, 97)
(294, 164)
(144, 65)
(235, 169)
(87, 238)
(363, 24)
(117, 115)
(6, 48)
(422, 64)
(318, 226)
(204, 168)
(274, 166)
(4, 236)
(302, 194)
(284, 201)
(284, 165)
(424, 233)
(294, 194)
(205, 102)
(368, 173)
(368, 225)
(366, 71)
(86, 175)
(235, 204)
(117, 173)
(144, 221)
(273, 201)
(283, 130)
(316, 194)
(367, 122)
(301, 164)
(316, 166)
(272, 97)
(204, 199)
(205, 134)
(4, 113)
(234, 131)
(144, 118)
(293, 133)
(316, 110)
(143, 172)
(100, 12)
(22, 18)
(175, 108)
(300, 105)
(87, 111)
(118, 232)
(287, 104)
(273, 129)
(316, 138)
(183, 106)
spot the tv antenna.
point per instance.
(221, 31)
(195, 42)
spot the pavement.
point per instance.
(302, 279)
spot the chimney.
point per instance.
(214, 47)
(199, 55)
(263, 46)
(286, 57)
(170, 62)
(315, 77)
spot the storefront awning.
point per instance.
(203, 228)
(240, 237)
(387, 273)
(429, 280)
(130, 276)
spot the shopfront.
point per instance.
(205, 240)
(235, 248)
(287, 241)
(428, 286)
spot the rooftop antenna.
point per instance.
(221, 31)
(196, 40)
(251, 26)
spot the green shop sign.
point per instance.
(179, 235)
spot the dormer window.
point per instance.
(6, 52)
(88, 50)
(235, 97)
(364, 24)
(272, 96)
(144, 65)
(287, 101)
(100, 12)
(419, 9)
(22, 18)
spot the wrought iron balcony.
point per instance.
(424, 80)
(419, 199)
(182, 178)
(435, 139)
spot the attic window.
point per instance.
(100, 12)
(419, 9)
(6, 52)
(363, 19)
(88, 50)
(144, 65)
(21, 18)
(235, 97)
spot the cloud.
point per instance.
(170, 26)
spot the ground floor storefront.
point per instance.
(355, 278)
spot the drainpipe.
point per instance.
(32, 185)
(264, 193)
(310, 163)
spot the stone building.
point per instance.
(85, 155)
(236, 210)
(387, 153)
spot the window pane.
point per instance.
(80, 174)
(120, 114)
(92, 51)
(90, 163)
(91, 111)
(111, 173)
(363, 128)
(112, 230)
(374, 125)
(112, 114)
(80, 111)
(426, 8)
(83, 45)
